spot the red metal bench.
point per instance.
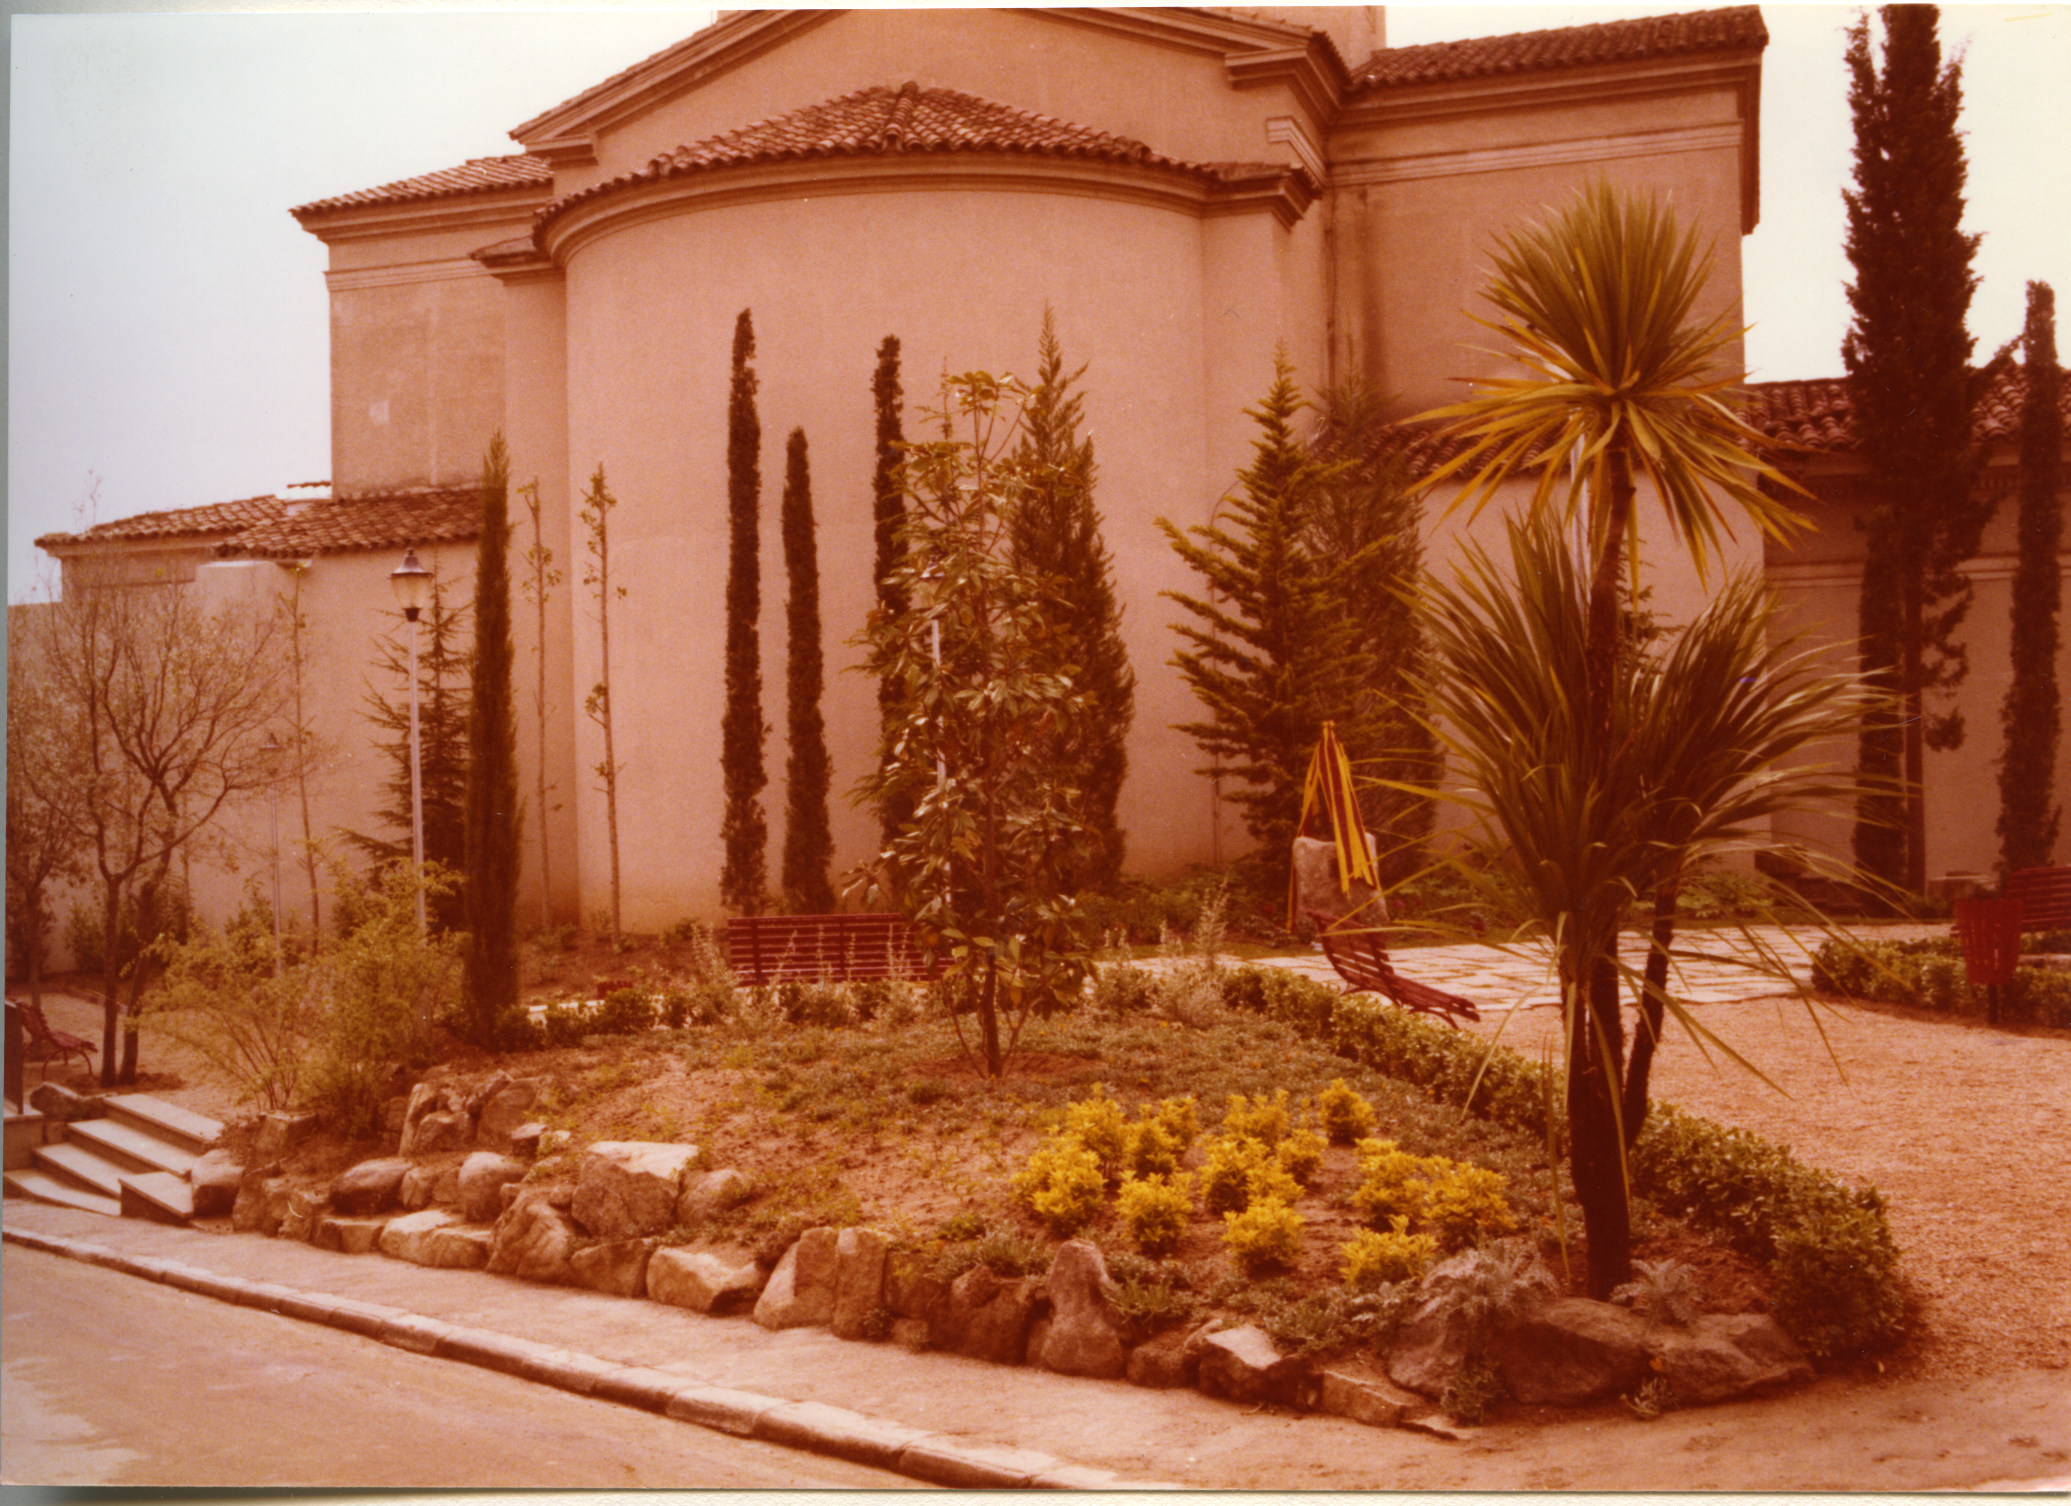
(1361, 959)
(764, 949)
(45, 1041)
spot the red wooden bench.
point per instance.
(1361, 959)
(764, 949)
(2045, 896)
(45, 1041)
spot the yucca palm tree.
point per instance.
(1621, 381)
(1702, 749)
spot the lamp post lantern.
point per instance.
(411, 580)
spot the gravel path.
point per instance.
(1966, 1130)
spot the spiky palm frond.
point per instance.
(1597, 305)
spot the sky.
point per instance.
(168, 323)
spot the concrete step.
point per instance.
(159, 1196)
(41, 1187)
(131, 1146)
(81, 1167)
(196, 1132)
(24, 1133)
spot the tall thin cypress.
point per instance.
(1054, 532)
(888, 509)
(808, 840)
(2028, 815)
(744, 829)
(1907, 353)
(490, 970)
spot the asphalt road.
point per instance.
(107, 1380)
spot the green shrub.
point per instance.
(1154, 1211)
(1259, 1118)
(1062, 1185)
(565, 1022)
(1374, 1259)
(1301, 1156)
(1346, 1116)
(1122, 988)
(1226, 1177)
(1835, 1279)
(1930, 974)
(1265, 1236)
(1099, 1124)
(625, 1011)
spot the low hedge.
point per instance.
(1832, 1261)
(1930, 975)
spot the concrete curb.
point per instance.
(815, 1427)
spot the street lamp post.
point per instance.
(410, 581)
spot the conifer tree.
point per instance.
(2028, 813)
(1907, 354)
(744, 830)
(1054, 534)
(808, 840)
(1371, 510)
(490, 965)
(888, 510)
(1276, 653)
(442, 727)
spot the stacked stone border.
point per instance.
(815, 1427)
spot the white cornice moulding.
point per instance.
(448, 270)
(1279, 191)
(1285, 130)
(1356, 173)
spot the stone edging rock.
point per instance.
(812, 1426)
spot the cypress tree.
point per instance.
(442, 735)
(1054, 533)
(808, 841)
(744, 830)
(2028, 816)
(1907, 353)
(490, 970)
(888, 509)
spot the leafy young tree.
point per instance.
(1621, 382)
(808, 839)
(1273, 652)
(442, 720)
(2028, 813)
(490, 964)
(888, 511)
(1054, 531)
(1907, 354)
(983, 867)
(744, 880)
(597, 504)
(165, 709)
(540, 580)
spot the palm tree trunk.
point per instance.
(1596, 1035)
(1653, 1007)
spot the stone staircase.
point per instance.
(132, 1163)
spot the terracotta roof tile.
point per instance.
(1566, 47)
(177, 523)
(884, 122)
(477, 175)
(385, 520)
(1820, 414)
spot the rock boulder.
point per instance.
(1084, 1333)
(1570, 1351)
(986, 1317)
(617, 1268)
(534, 1240)
(859, 1259)
(628, 1188)
(369, 1187)
(482, 1179)
(1244, 1365)
(800, 1293)
(1722, 1356)
(704, 1281)
(215, 1178)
